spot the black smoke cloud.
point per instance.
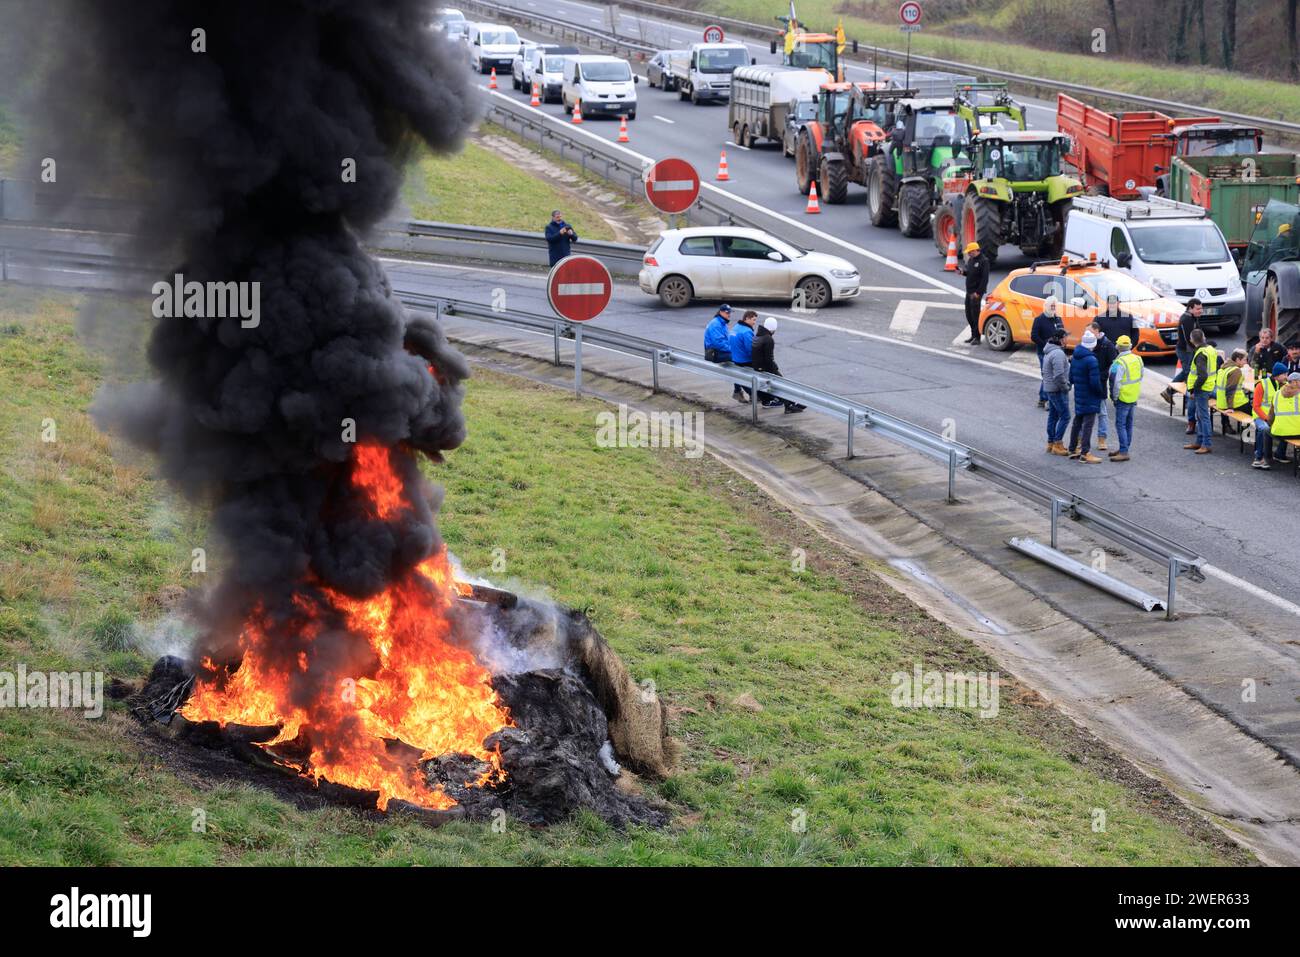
(235, 157)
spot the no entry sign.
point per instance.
(910, 13)
(579, 288)
(672, 185)
(713, 34)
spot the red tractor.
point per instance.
(848, 129)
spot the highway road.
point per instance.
(899, 346)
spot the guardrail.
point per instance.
(1178, 561)
(763, 33)
(499, 245)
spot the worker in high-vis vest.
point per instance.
(1200, 388)
(1125, 387)
(1266, 389)
(1230, 394)
(1284, 416)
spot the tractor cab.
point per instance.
(1217, 139)
(810, 51)
(1025, 159)
(927, 135)
(1275, 238)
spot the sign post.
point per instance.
(910, 16)
(578, 289)
(672, 185)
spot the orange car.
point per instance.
(1081, 287)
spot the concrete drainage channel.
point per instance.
(1203, 756)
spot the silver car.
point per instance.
(657, 72)
(732, 262)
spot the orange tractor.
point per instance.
(834, 147)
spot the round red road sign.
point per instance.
(579, 288)
(713, 34)
(910, 13)
(672, 185)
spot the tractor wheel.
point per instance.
(805, 162)
(882, 189)
(833, 183)
(946, 220)
(1284, 322)
(981, 222)
(1056, 245)
(914, 202)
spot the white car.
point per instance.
(492, 46)
(543, 64)
(732, 262)
(605, 85)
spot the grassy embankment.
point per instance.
(1210, 88)
(683, 566)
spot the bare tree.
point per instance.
(1229, 33)
(1202, 46)
(1179, 52)
(1293, 66)
(1114, 24)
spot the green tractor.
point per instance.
(1016, 194)
(903, 179)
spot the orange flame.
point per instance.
(418, 688)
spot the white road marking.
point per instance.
(844, 244)
(1268, 596)
(737, 146)
(662, 119)
(909, 313)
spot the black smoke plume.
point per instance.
(230, 146)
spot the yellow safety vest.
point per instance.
(1211, 370)
(1224, 402)
(1286, 416)
(1270, 390)
(1130, 379)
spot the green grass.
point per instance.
(478, 187)
(1184, 83)
(683, 567)
(10, 139)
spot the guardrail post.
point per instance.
(1056, 514)
(1173, 584)
(577, 361)
(753, 399)
(952, 476)
(853, 422)
(555, 333)
(654, 370)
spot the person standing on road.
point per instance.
(1189, 321)
(1284, 416)
(1040, 332)
(1106, 353)
(1125, 387)
(1115, 322)
(1266, 354)
(1085, 377)
(1266, 390)
(1056, 386)
(1200, 388)
(977, 284)
(764, 357)
(742, 344)
(560, 237)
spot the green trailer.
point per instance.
(1235, 189)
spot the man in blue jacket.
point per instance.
(717, 339)
(742, 349)
(1085, 377)
(559, 237)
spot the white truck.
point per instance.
(703, 72)
(604, 85)
(761, 98)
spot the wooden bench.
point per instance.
(1242, 419)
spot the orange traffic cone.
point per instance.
(950, 264)
(622, 130)
(723, 175)
(492, 81)
(577, 112)
(536, 100)
(813, 205)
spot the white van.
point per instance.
(1175, 248)
(492, 46)
(604, 84)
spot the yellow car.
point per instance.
(1081, 287)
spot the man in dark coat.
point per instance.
(1045, 324)
(977, 284)
(1267, 353)
(560, 237)
(763, 354)
(1106, 352)
(1115, 322)
(1085, 377)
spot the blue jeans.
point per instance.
(1058, 415)
(1124, 424)
(1262, 437)
(1204, 429)
(1042, 393)
(1185, 358)
(1101, 421)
